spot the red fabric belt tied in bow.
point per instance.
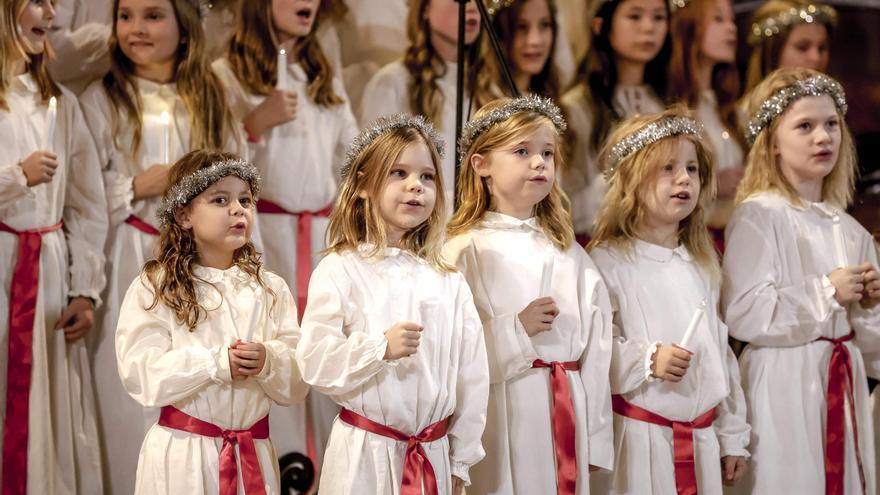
(682, 439)
(303, 246)
(252, 477)
(563, 424)
(22, 311)
(141, 225)
(417, 462)
(840, 391)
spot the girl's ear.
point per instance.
(480, 164)
(597, 26)
(182, 217)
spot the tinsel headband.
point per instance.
(805, 14)
(196, 183)
(651, 133)
(495, 6)
(528, 103)
(384, 125)
(776, 105)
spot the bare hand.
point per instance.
(77, 318)
(246, 359)
(457, 486)
(728, 181)
(278, 108)
(871, 294)
(848, 283)
(733, 468)
(151, 182)
(403, 340)
(538, 316)
(670, 363)
(39, 167)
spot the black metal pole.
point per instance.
(493, 38)
(459, 95)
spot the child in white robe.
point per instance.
(53, 223)
(674, 376)
(391, 333)
(542, 302)
(801, 289)
(207, 335)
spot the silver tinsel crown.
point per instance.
(776, 105)
(384, 125)
(651, 133)
(528, 103)
(806, 14)
(194, 184)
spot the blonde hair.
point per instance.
(200, 89)
(13, 48)
(474, 198)
(253, 55)
(356, 218)
(171, 274)
(623, 210)
(763, 171)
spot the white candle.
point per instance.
(547, 277)
(282, 69)
(839, 243)
(50, 124)
(695, 322)
(165, 145)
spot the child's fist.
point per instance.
(403, 340)
(246, 359)
(539, 315)
(670, 363)
(848, 283)
(733, 468)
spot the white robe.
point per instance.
(654, 292)
(299, 162)
(353, 301)
(582, 179)
(503, 261)
(78, 38)
(162, 363)
(63, 446)
(123, 421)
(726, 153)
(777, 298)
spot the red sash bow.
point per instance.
(141, 225)
(563, 424)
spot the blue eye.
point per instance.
(521, 151)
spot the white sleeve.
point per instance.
(383, 95)
(866, 322)
(348, 131)
(154, 372)
(472, 389)
(756, 307)
(85, 206)
(332, 362)
(13, 185)
(730, 423)
(280, 377)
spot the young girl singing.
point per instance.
(209, 336)
(542, 302)
(801, 289)
(159, 100)
(391, 332)
(622, 75)
(680, 424)
(53, 223)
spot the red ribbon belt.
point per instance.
(141, 225)
(417, 462)
(682, 439)
(22, 310)
(563, 424)
(252, 477)
(840, 390)
(303, 246)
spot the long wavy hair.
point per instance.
(356, 219)
(597, 74)
(199, 87)
(688, 28)
(171, 274)
(425, 65)
(763, 171)
(253, 55)
(623, 209)
(13, 48)
(474, 197)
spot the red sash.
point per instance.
(252, 477)
(417, 463)
(682, 439)
(303, 246)
(22, 311)
(141, 225)
(563, 424)
(840, 390)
